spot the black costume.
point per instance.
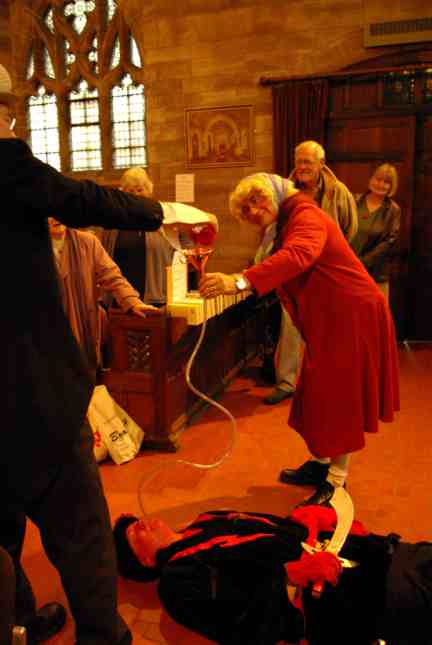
(226, 580)
(47, 468)
(7, 596)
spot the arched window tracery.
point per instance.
(81, 89)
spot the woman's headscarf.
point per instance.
(278, 186)
(270, 183)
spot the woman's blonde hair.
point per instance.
(255, 186)
(391, 172)
(137, 177)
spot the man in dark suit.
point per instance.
(47, 468)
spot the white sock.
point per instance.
(321, 460)
(338, 471)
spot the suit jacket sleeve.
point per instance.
(41, 190)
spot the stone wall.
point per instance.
(201, 53)
(207, 53)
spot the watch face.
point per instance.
(241, 283)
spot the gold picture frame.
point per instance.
(219, 136)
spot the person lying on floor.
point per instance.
(225, 576)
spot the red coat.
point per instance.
(349, 377)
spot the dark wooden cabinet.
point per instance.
(148, 359)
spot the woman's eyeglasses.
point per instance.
(252, 202)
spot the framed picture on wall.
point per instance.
(220, 136)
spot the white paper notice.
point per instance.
(185, 188)
(177, 278)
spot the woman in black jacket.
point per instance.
(378, 224)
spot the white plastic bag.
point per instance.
(121, 435)
(95, 420)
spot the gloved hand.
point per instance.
(321, 518)
(320, 567)
(315, 519)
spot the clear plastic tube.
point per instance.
(147, 478)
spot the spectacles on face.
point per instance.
(252, 202)
(301, 161)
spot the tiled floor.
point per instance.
(389, 483)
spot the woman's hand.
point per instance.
(216, 284)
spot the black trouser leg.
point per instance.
(7, 596)
(12, 533)
(72, 515)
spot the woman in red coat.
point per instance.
(349, 378)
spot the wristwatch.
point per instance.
(241, 283)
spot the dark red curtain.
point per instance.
(299, 113)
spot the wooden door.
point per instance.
(355, 147)
(420, 263)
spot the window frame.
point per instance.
(38, 37)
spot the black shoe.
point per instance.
(47, 621)
(321, 497)
(311, 473)
(277, 396)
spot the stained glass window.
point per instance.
(97, 123)
(135, 55)
(399, 88)
(49, 20)
(115, 57)
(69, 57)
(128, 124)
(48, 66)
(85, 141)
(93, 55)
(111, 8)
(30, 65)
(43, 127)
(77, 11)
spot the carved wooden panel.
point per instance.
(146, 374)
(381, 110)
(138, 351)
(420, 261)
(355, 147)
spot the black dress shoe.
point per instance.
(277, 396)
(321, 496)
(47, 621)
(311, 473)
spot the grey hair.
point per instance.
(312, 145)
(137, 176)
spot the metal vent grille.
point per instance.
(398, 32)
